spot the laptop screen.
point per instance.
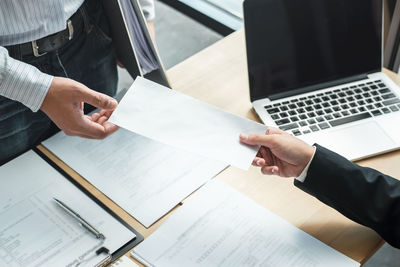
(293, 44)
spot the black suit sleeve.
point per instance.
(362, 194)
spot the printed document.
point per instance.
(218, 226)
(35, 231)
(145, 178)
(172, 118)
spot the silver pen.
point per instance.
(81, 221)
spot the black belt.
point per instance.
(52, 42)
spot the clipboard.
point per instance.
(30, 185)
(123, 40)
(109, 257)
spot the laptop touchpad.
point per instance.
(355, 141)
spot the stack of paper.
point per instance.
(145, 178)
(220, 227)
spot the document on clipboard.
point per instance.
(132, 42)
(36, 231)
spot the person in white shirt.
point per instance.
(54, 57)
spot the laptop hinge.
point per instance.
(318, 87)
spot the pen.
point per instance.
(81, 221)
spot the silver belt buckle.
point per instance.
(35, 47)
(70, 29)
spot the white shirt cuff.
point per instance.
(303, 174)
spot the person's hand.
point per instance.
(280, 153)
(64, 106)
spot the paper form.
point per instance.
(145, 178)
(172, 118)
(218, 226)
(35, 231)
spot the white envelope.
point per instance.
(175, 119)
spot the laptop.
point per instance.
(315, 71)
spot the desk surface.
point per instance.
(218, 75)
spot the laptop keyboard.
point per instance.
(322, 111)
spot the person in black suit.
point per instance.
(362, 194)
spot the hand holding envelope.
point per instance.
(180, 121)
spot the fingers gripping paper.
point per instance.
(172, 118)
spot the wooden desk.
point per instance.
(218, 75)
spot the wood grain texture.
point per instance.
(218, 75)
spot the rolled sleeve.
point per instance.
(148, 9)
(22, 82)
